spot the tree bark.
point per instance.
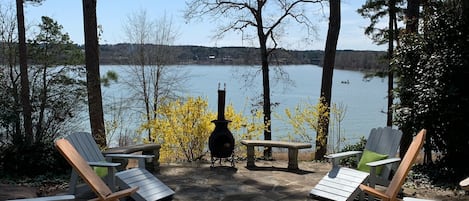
(266, 104)
(266, 90)
(392, 17)
(412, 18)
(25, 101)
(327, 73)
(95, 105)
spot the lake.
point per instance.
(365, 100)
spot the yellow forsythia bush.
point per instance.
(183, 128)
(304, 120)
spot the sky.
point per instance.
(112, 15)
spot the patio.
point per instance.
(269, 181)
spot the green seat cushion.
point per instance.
(370, 156)
(100, 171)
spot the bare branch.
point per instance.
(262, 16)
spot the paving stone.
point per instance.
(271, 181)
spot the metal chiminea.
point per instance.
(221, 141)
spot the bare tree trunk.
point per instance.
(26, 103)
(412, 18)
(265, 80)
(266, 102)
(43, 102)
(327, 73)
(144, 78)
(392, 17)
(95, 104)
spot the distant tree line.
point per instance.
(369, 61)
(360, 60)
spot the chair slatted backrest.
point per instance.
(85, 144)
(84, 170)
(384, 140)
(406, 164)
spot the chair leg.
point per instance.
(141, 163)
(73, 183)
(111, 179)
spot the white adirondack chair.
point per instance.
(341, 183)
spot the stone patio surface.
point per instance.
(270, 180)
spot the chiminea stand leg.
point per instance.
(213, 162)
(232, 161)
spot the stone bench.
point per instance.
(292, 150)
(146, 149)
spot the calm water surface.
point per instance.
(365, 100)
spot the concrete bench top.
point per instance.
(132, 148)
(272, 143)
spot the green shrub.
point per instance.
(352, 161)
(33, 160)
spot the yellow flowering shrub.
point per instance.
(304, 120)
(183, 128)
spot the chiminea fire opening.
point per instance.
(221, 141)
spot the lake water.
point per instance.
(365, 100)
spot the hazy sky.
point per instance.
(112, 14)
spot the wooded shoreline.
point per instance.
(359, 60)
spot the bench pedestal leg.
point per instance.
(292, 158)
(250, 156)
(153, 165)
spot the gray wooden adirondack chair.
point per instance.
(87, 147)
(85, 144)
(341, 183)
(398, 179)
(79, 164)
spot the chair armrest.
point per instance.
(133, 156)
(335, 158)
(119, 194)
(373, 192)
(141, 158)
(374, 165)
(383, 162)
(103, 164)
(464, 184)
(343, 154)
